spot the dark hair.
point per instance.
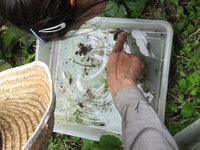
(37, 15)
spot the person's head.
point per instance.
(39, 16)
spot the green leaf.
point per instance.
(196, 77)
(176, 2)
(8, 39)
(135, 7)
(173, 107)
(180, 10)
(109, 142)
(181, 97)
(4, 65)
(192, 13)
(180, 25)
(197, 101)
(87, 144)
(175, 88)
(174, 127)
(182, 84)
(30, 58)
(190, 28)
(188, 110)
(191, 79)
(113, 9)
(9, 42)
(194, 92)
(74, 138)
(15, 38)
(182, 74)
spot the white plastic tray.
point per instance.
(56, 54)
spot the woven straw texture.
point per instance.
(24, 97)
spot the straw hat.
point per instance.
(26, 107)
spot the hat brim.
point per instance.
(26, 105)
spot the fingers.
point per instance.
(114, 57)
(120, 42)
(123, 62)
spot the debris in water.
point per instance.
(84, 49)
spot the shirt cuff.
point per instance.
(128, 96)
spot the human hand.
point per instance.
(123, 70)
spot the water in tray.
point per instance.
(81, 86)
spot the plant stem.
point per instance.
(84, 64)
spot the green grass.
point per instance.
(64, 142)
(16, 47)
(183, 100)
(183, 104)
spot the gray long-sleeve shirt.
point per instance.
(141, 127)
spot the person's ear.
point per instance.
(72, 2)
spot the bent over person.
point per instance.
(141, 127)
(50, 20)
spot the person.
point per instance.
(49, 20)
(141, 127)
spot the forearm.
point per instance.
(141, 127)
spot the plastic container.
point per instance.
(189, 138)
(60, 55)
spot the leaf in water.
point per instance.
(4, 65)
(188, 110)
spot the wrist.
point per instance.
(126, 83)
(114, 88)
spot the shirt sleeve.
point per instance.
(141, 127)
